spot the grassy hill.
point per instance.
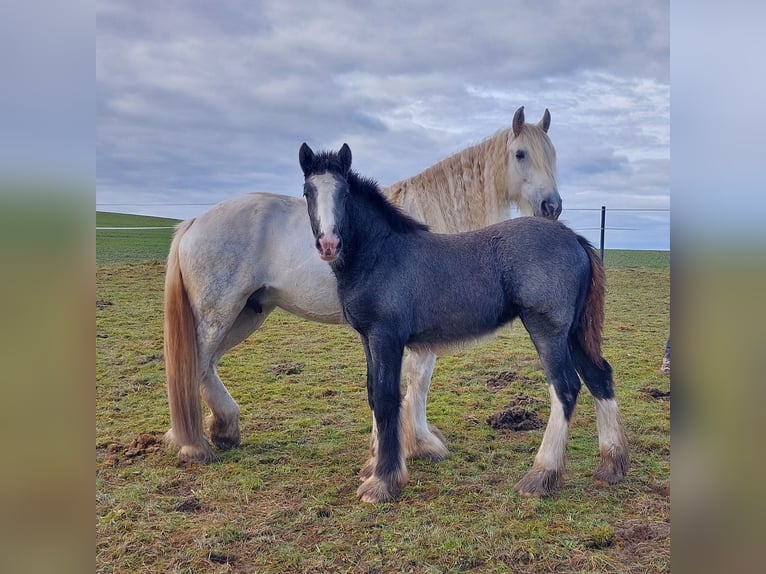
(126, 245)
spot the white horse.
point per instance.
(233, 265)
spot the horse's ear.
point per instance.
(518, 121)
(545, 122)
(306, 158)
(345, 158)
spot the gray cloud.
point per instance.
(201, 101)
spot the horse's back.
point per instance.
(535, 242)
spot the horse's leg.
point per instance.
(665, 368)
(419, 439)
(547, 471)
(369, 466)
(612, 443)
(384, 373)
(223, 422)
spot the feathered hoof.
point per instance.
(432, 446)
(225, 435)
(613, 467)
(368, 469)
(375, 490)
(539, 482)
(201, 454)
(170, 441)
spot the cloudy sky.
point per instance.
(202, 101)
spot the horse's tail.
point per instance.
(592, 316)
(181, 353)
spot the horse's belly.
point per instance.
(310, 293)
(322, 311)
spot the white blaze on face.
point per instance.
(325, 185)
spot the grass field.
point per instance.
(123, 245)
(285, 502)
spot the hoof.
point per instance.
(432, 446)
(201, 454)
(539, 482)
(375, 490)
(368, 469)
(170, 441)
(613, 468)
(225, 443)
(224, 435)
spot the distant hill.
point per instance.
(107, 219)
(132, 245)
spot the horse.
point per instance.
(401, 285)
(229, 268)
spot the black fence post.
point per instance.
(603, 226)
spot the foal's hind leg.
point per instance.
(547, 472)
(612, 443)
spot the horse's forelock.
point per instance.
(325, 161)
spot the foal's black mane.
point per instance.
(368, 190)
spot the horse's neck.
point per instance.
(466, 191)
(364, 233)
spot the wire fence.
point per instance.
(581, 223)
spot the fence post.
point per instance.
(603, 226)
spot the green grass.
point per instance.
(636, 258)
(284, 501)
(123, 245)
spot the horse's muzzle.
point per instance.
(550, 209)
(328, 247)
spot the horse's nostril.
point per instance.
(550, 209)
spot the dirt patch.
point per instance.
(639, 541)
(656, 393)
(502, 380)
(638, 531)
(222, 558)
(287, 369)
(113, 453)
(522, 400)
(103, 304)
(191, 504)
(143, 444)
(515, 418)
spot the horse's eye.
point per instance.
(520, 154)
